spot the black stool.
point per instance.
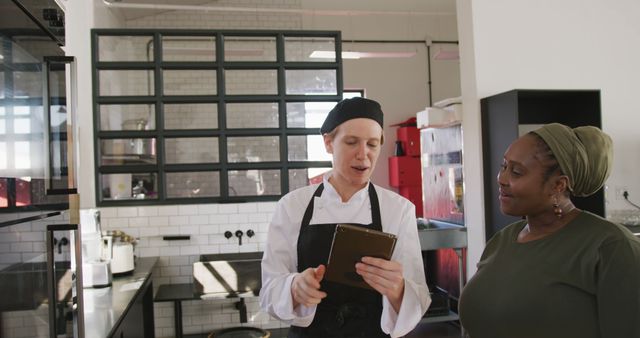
(240, 332)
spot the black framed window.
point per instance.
(188, 116)
(33, 123)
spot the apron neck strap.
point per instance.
(376, 220)
(309, 212)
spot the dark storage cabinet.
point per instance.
(137, 321)
(505, 116)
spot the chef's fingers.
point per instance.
(308, 296)
(302, 297)
(306, 288)
(386, 287)
(388, 283)
(393, 276)
(382, 263)
(387, 269)
(309, 277)
(319, 272)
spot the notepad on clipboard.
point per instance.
(350, 244)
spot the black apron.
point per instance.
(346, 312)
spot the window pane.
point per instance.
(125, 48)
(191, 150)
(3, 155)
(22, 53)
(188, 48)
(254, 182)
(22, 151)
(307, 148)
(27, 84)
(193, 184)
(252, 115)
(253, 149)
(2, 85)
(251, 82)
(189, 82)
(127, 117)
(307, 114)
(129, 186)
(26, 110)
(128, 151)
(30, 191)
(22, 126)
(191, 116)
(299, 178)
(248, 48)
(126, 82)
(311, 81)
(302, 49)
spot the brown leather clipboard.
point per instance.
(350, 244)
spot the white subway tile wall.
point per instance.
(26, 324)
(25, 242)
(205, 224)
(21, 243)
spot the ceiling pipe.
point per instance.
(316, 12)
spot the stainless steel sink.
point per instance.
(228, 275)
(232, 275)
(441, 235)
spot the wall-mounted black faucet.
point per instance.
(63, 241)
(239, 234)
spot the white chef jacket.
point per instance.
(280, 259)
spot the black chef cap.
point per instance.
(353, 108)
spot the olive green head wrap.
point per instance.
(585, 155)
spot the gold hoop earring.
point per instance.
(556, 207)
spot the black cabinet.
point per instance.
(508, 115)
(137, 322)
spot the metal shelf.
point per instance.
(442, 235)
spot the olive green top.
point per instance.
(582, 281)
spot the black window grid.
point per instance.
(223, 166)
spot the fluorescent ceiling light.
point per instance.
(329, 54)
(447, 55)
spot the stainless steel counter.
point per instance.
(436, 235)
(105, 307)
(635, 229)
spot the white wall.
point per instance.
(571, 44)
(472, 140)
(81, 17)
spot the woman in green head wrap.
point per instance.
(561, 271)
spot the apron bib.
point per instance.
(346, 312)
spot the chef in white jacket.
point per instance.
(301, 232)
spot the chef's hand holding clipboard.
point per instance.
(385, 276)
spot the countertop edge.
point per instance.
(142, 273)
